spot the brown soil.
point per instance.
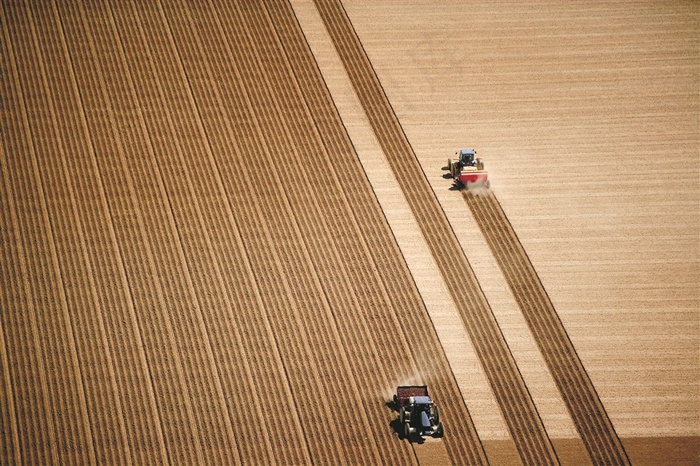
(198, 265)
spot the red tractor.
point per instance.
(417, 412)
(468, 170)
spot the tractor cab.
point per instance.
(467, 158)
(422, 407)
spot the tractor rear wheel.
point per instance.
(402, 414)
(436, 415)
(406, 430)
(450, 168)
(440, 431)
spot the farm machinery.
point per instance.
(417, 412)
(467, 170)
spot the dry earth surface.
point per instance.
(225, 236)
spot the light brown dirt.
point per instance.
(578, 95)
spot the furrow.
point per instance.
(212, 104)
(331, 252)
(193, 245)
(150, 295)
(295, 295)
(516, 404)
(120, 320)
(64, 375)
(189, 54)
(308, 219)
(82, 294)
(403, 305)
(10, 442)
(36, 440)
(577, 390)
(275, 305)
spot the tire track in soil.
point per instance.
(363, 214)
(136, 238)
(518, 409)
(576, 388)
(43, 229)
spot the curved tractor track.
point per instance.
(577, 390)
(516, 404)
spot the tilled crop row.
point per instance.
(129, 371)
(43, 228)
(334, 246)
(140, 231)
(517, 406)
(398, 308)
(306, 261)
(577, 390)
(181, 245)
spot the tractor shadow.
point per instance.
(397, 427)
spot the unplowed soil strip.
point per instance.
(577, 390)
(516, 404)
(397, 310)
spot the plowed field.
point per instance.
(198, 265)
